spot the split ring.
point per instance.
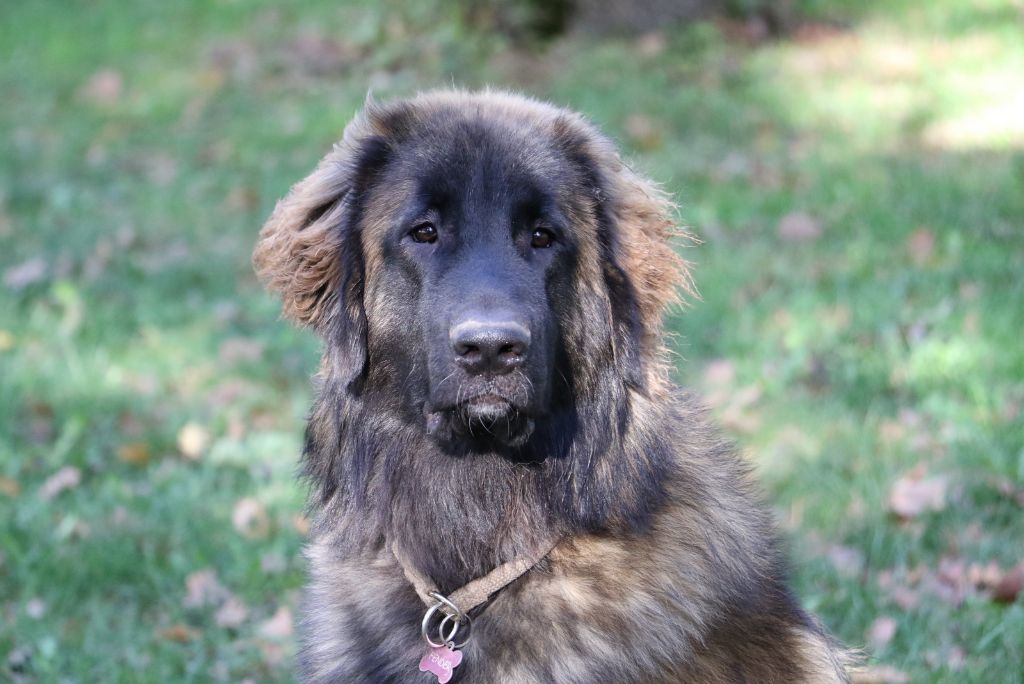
(452, 614)
(451, 638)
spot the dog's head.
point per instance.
(479, 262)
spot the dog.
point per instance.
(494, 414)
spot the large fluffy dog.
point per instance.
(489, 280)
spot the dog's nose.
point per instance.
(490, 346)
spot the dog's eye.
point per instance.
(424, 232)
(542, 238)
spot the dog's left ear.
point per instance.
(643, 271)
(309, 250)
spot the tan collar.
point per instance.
(476, 592)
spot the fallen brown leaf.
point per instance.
(133, 453)
(1010, 585)
(202, 588)
(273, 563)
(644, 132)
(315, 53)
(949, 582)
(178, 633)
(229, 391)
(279, 625)
(40, 422)
(231, 614)
(969, 291)
(273, 654)
(847, 561)
(921, 246)
(987, 575)
(881, 632)
(914, 494)
(67, 477)
(9, 487)
(738, 413)
(250, 518)
(719, 373)
(26, 273)
(799, 226)
(905, 597)
(651, 44)
(235, 349)
(103, 87)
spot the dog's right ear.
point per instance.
(309, 250)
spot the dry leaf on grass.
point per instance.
(644, 132)
(26, 273)
(881, 632)
(232, 613)
(236, 349)
(914, 494)
(272, 653)
(1009, 585)
(955, 658)
(905, 597)
(920, 246)
(178, 633)
(9, 487)
(719, 373)
(952, 582)
(799, 226)
(134, 453)
(202, 588)
(279, 626)
(104, 87)
(848, 561)
(273, 563)
(250, 518)
(651, 44)
(67, 477)
(738, 414)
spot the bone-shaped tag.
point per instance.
(440, 660)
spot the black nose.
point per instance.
(490, 346)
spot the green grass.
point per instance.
(861, 356)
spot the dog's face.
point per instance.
(471, 234)
(475, 262)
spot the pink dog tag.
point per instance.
(440, 660)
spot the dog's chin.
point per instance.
(485, 422)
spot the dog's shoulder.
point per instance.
(700, 593)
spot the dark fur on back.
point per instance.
(668, 568)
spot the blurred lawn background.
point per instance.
(858, 184)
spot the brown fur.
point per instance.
(681, 579)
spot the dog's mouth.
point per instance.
(486, 419)
(486, 408)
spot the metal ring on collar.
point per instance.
(451, 614)
(450, 640)
(447, 606)
(425, 628)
